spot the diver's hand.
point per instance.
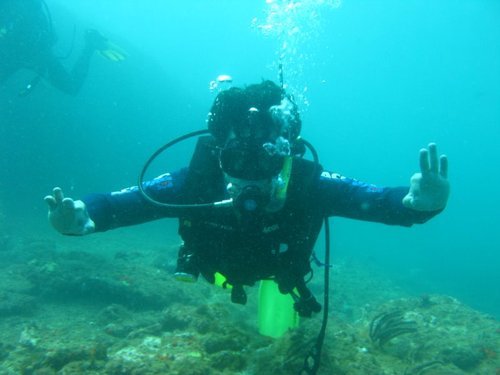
(430, 188)
(68, 216)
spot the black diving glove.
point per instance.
(306, 306)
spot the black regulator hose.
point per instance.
(151, 200)
(313, 358)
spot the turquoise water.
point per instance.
(376, 81)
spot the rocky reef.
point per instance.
(68, 310)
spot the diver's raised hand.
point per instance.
(430, 188)
(68, 216)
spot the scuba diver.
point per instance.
(27, 39)
(250, 207)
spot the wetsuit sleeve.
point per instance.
(128, 207)
(350, 198)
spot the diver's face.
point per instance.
(252, 171)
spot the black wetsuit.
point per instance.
(277, 245)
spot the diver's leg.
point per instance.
(69, 82)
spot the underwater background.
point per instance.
(375, 82)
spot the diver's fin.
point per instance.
(113, 53)
(98, 42)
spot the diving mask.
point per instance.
(257, 173)
(250, 160)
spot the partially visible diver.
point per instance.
(27, 39)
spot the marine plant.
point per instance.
(388, 325)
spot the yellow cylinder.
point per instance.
(276, 312)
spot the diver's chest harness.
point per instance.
(272, 246)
